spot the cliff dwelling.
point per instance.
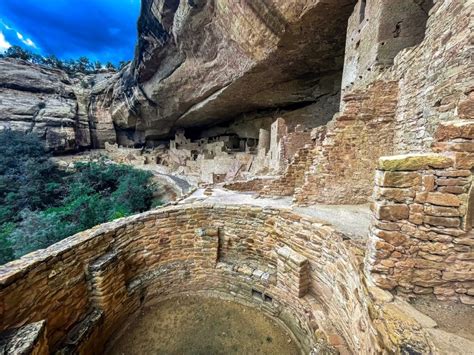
(315, 163)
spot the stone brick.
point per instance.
(443, 199)
(397, 179)
(457, 190)
(458, 275)
(384, 282)
(416, 218)
(394, 194)
(392, 212)
(428, 183)
(388, 226)
(463, 160)
(453, 173)
(434, 210)
(469, 300)
(466, 107)
(428, 264)
(443, 291)
(455, 129)
(414, 162)
(452, 181)
(464, 146)
(391, 237)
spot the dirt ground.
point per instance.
(454, 318)
(198, 325)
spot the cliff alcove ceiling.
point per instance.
(252, 55)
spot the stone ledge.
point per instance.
(23, 340)
(411, 162)
(81, 332)
(103, 262)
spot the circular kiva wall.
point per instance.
(294, 268)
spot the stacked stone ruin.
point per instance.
(402, 141)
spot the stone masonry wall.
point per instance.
(435, 77)
(86, 285)
(433, 66)
(293, 176)
(344, 160)
(392, 108)
(251, 185)
(421, 240)
(291, 144)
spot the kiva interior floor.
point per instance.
(199, 325)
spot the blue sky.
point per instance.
(102, 30)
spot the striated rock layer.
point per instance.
(62, 110)
(204, 62)
(197, 64)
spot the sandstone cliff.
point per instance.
(63, 110)
(197, 64)
(203, 62)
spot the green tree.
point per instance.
(54, 62)
(18, 53)
(28, 178)
(84, 65)
(41, 204)
(6, 248)
(71, 66)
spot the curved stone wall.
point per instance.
(295, 268)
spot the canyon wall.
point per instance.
(61, 110)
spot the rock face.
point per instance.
(203, 62)
(57, 107)
(198, 64)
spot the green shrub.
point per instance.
(41, 205)
(71, 66)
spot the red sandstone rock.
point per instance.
(442, 221)
(466, 107)
(464, 160)
(455, 129)
(393, 212)
(397, 179)
(433, 210)
(394, 194)
(443, 199)
(428, 183)
(393, 238)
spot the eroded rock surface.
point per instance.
(55, 106)
(197, 64)
(203, 62)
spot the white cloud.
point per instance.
(5, 25)
(4, 45)
(26, 41)
(29, 42)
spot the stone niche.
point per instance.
(288, 266)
